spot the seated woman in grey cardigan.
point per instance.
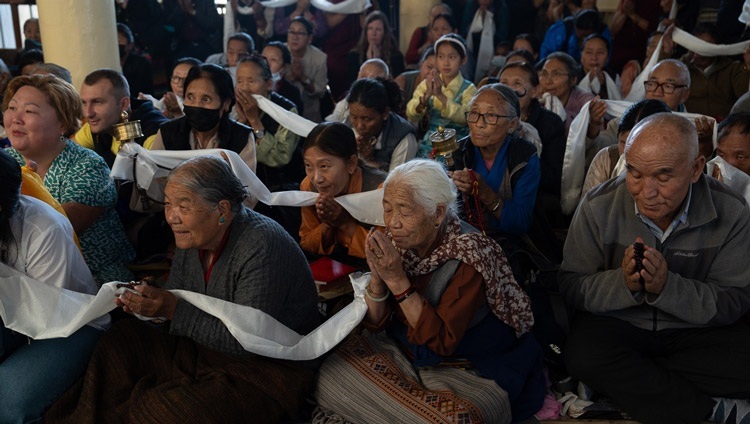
(194, 369)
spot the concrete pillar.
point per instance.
(413, 14)
(80, 35)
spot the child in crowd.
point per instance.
(444, 94)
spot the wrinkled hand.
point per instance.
(462, 180)
(384, 260)
(247, 106)
(152, 302)
(654, 270)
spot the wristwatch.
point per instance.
(259, 134)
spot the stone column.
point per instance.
(79, 35)
(413, 14)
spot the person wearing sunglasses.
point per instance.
(497, 171)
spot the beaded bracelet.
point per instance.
(370, 296)
(405, 295)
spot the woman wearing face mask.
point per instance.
(332, 168)
(209, 96)
(280, 60)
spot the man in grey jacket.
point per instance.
(661, 332)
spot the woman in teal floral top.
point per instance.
(40, 113)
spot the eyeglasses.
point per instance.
(666, 87)
(177, 80)
(489, 118)
(553, 74)
(297, 33)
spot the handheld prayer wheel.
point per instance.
(444, 143)
(127, 130)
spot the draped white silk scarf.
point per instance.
(41, 311)
(573, 171)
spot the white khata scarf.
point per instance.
(486, 44)
(595, 87)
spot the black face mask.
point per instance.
(121, 48)
(202, 119)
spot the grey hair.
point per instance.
(210, 178)
(509, 96)
(428, 184)
(379, 62)
(684, 71)
(53, 69)
(679, 132)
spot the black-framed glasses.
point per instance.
(297, 33)
(489, 118)
(666, 87)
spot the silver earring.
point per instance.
(62, 138)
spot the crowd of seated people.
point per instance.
(322, 102)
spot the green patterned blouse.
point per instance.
(80, 175)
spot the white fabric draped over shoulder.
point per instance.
(148, 166)
(573, 171)
(347, 7)
(41, 311)
(594, 87)
(292, 121)
(553, 104)
(731, 176)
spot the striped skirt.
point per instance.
(369, 380)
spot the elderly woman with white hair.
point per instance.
(444, 311)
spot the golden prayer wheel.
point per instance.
(444, 143)
(127, 130)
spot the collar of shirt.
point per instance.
(452, 88)
(678, 220)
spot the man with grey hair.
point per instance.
(668, 81)
(371, 68)
(655, 265)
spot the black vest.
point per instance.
(232, 135)
(395, 129)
